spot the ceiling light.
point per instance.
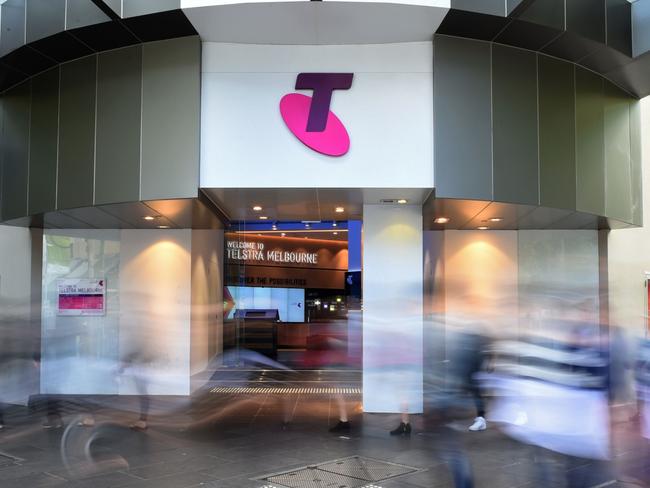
(263, 217)
(274, 227)
(163, 227)
(335, 233)
(307, 226)
(283, 234)
(402, 201)
(334, 224)
(441, 220)
(483, 227)
(339, 210)
(149, 217)
(495, 219)
(257, 208)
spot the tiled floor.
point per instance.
(232, 441)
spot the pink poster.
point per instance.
(81, 296)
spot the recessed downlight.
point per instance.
(402, 201)
(263, 217)
(163, 227)
(283, 234)
(149, 217)
(339, 209)
(257, 208)
(335, 233)
(483, 227)
(334, 224)
(441, 220)
(495, 219)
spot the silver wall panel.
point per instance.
(77, 133)
(171, 118)
(463, 115)
(117, 174)
(43, 142)
(15, 152)
(44, 18)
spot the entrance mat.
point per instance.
(234, 390)
(350, 472)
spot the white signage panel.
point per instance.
(387, 113)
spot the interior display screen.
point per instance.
(290, 302)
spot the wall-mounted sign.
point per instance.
(76, 297)
(310, 118)
(286, 252)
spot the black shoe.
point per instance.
(341, 427)
(402, 429)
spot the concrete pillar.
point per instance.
(392, 308)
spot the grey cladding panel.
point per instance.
(640, 31)
(170, 118)
(15, 142)
(635, 162)
(133, 8)
(77, 133)
(586, 18)
(44, 18)
(490, 7)
(117, 176)
(43, 139)
(545, 12)
(557, 133)
(12, 20)
(618, 170)
(619, 25)
(590, 149)
(462, 110)
(81, 13)
(515, 125)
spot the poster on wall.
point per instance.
(81, 296)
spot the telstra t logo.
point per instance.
(310, 118)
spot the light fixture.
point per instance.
(307, 226)
(339, 209)
(334, 224)
(163, 227)
(402, 201)
(335, 233)
(274, 227)
(495, 219)
(441, 220)
(263, 217)
(338, 299)
(257, 208)
(483, 227)
(283, 234)
(149, 217)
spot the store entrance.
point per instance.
(292, 296)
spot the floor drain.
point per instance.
(351, 472)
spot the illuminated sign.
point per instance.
(310, 118)
(255, 251)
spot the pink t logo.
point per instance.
(310, 118)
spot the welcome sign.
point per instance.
(81, 297)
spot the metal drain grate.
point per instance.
(366, 469)
(315, 478)
(285, 391)
(351, 472)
